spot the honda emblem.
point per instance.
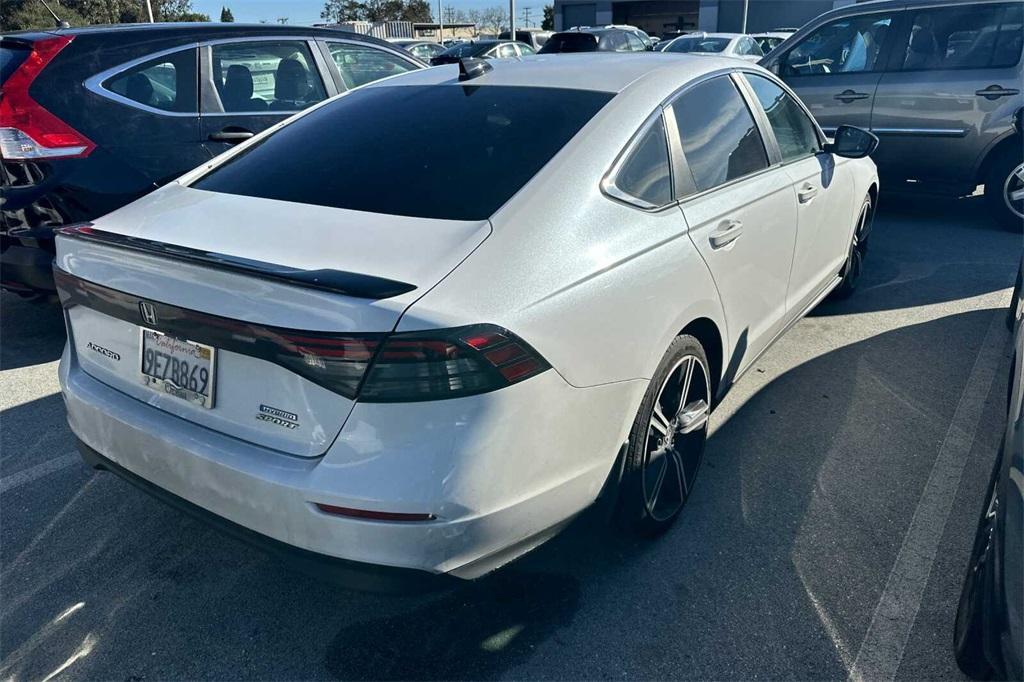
(148, 312)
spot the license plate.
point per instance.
(184, 369)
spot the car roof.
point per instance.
(203, 29)
(599, 71)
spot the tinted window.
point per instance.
(276, 75)
(964, 37)
(698, 44)
(373, 150)
(793, 129)
(570, 42)
(467, 49)
(167, 83)
(719, 138)
(768, 44)
(848, 45)
(361, 64)
(645, 174)
(10, 60)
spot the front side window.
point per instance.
(747, 46)
(272, 76)
(635, 44)
(525, 50)
(850, 45)
(793, 130)
(507, 51)
(963, 37)
(167, 83)
(720, 140)
(374, 150)
(645, 172)
(361, 64)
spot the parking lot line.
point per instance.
(38, 471)
(881, 650)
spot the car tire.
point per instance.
(1005, 176)
(969, 626)
(666, 444)
(854, 266)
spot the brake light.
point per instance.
(448, 363)
(27, 130)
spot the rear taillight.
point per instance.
(448, 363)
(27, 130)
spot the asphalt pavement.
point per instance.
(827, 536)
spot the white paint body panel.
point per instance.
(598, 287)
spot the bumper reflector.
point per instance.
(372, 515)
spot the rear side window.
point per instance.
(360, 64)
(645, 173)
(10, 60)
(963, 37)
(167, 83)
(272, 75)
(374, 150)
(720, 140)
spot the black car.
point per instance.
(92, 118)
(424, 49)
(988, 636)
(594, 40)
(483, 49)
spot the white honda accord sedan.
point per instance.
(399, 345)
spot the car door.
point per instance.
(824, 197)
(741, 211)
(154, 135)
(248, 85)
(835, 68)
(952, 73)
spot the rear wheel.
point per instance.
(666, 444)
(1004, 189)
(858, 252)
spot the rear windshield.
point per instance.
(10, 60)
(570, 42)
(374, 150)
(466, 49)
(698, 45)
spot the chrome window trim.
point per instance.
(924, 132)
(760, 116)
(612, 190)
(94, 83)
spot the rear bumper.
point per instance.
(351, 574)
(27, 269)
(500, 472)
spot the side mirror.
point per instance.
(852, 143)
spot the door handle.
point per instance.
(728, 231)
(850, 96)
(806, 193)
(232, 134)
(994, 92)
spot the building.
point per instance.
(407, 29)
(659, 17)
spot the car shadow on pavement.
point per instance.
(908, 265)
(31, 333)
(778, 558)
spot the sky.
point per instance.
(308, 11)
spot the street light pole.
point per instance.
(149, 11)
(746, 6)
(512, 19)
(440, 23)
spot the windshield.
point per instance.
(697, 44)
(570, 42)
(373, 150)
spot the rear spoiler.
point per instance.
(335, 281)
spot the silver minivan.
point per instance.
(939, 81)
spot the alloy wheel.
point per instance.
(1013, 191)
(675, 437)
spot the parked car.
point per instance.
(939, 82)
(422, 49)
(638, 32)
(770, 40)
(534, 37)
(989, 630)
(721, 44)
(435, 380)
(93, 118)
(483, 49)
(593, 40)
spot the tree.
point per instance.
(548, 22)
(494, 19)
(282, 20)
(226, 16)
(23, 14)
(417, 11)
(338, 11)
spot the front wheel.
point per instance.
(666, 443)
(858, 252)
